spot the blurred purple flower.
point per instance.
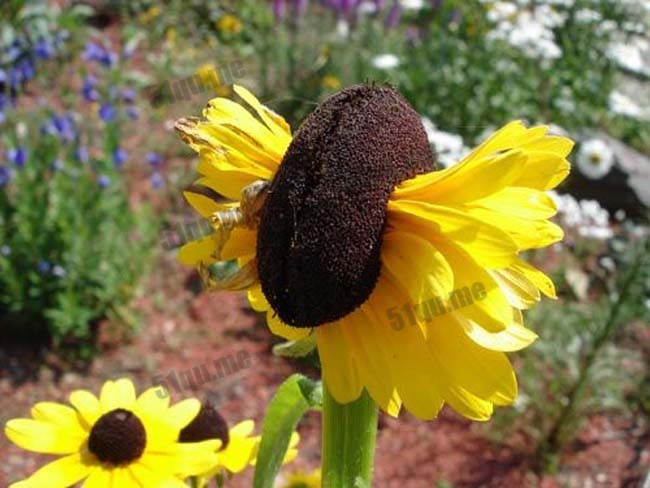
(61, 126)
(103, 181)
(157, 180)
(278, 10)
(132, 112)
(107, 112)
(43, 49)
(394, 15)
(5, 250)
(119, 157)
(154, 159)
(5, 176)
(100, 54)
(299, 6)
(43, 266)
(435, 4)
(81, 154)
(128, 95)
(88, 89)
(18, 156)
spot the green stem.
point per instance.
(553, 441)
(349, 434)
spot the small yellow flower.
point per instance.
(411, 280)
(331, 82)
(170, 36)
(115, 441)
(238, 447)
(229, 24)
(300, 479)
(150, 14)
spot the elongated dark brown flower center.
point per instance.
(117, 437)
(207, 425)
(320, 233)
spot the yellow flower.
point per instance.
(237, 448)
(300, 479)
(229, 24)
(331, 81)
(150, 14)
(117, 440)
(410, 279)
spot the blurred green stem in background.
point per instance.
(349, 435)
(550, 447)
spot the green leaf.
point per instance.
(293, 398)
(296, 349)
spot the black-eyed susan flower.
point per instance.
(117, 440)
(238, 446)
(410, 279)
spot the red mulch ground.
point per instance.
(183, 330)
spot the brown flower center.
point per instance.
(320, 233)
(207, 425)
(118, 437)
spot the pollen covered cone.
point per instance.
(118, 440)
(320, 233)
(410, 280)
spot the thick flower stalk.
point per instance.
(410, 280)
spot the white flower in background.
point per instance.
(501, 11)
(412, 4)
(631, 55)
(606, 27)
(587, 217)
(449, 148)
(595, 159)
(587, 16)
(556, 130)
(529, 33)
(621, 104)
(549, 16)
(385, 61)
(342, 29)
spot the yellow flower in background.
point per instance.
(117, 440)
(149, 14)
(237, 447)
(331, 82)
(229, 24)
(410, 280)
(300, 479)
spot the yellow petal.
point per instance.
(373, 360)
(60, 415)
(525, 203)
(484, 373)
(485, 242)
(519, 291)
(419, 268)
(43, 437)
(117, 394)
(278, 327)
(417, 379)
(513, 338)
(242, 242)
(183, 412)
(538, 278)
(87, 405)
(338, 363)
(61, 473)
(257, 299)
(196, 252)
